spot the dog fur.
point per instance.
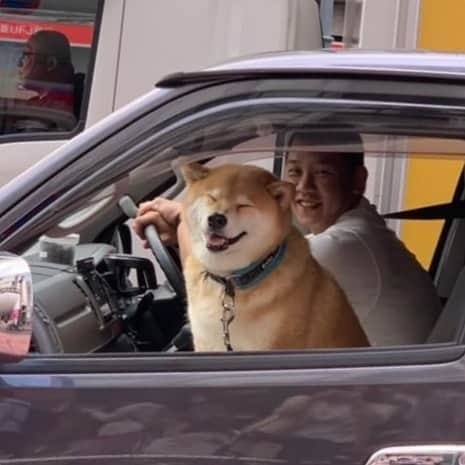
(297, 306)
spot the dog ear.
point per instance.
(283, 192)
(192, 172)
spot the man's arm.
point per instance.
(346, 257)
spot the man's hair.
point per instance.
(52, 43)
(352, 145)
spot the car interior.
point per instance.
(116, 296)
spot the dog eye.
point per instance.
(211, 197)
(244, 205)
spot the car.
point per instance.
(105, 378)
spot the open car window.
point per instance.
(424, 238)
(413, 155)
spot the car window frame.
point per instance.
(139, 362)
(373, 356)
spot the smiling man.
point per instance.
(327, 184)
(393, 296)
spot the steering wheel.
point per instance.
(159, 250)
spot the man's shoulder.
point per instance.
(344, 255)
(340, 242)
(363, 217)
(353, 238)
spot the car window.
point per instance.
(261, 151)
(348, 170)
(46, 51)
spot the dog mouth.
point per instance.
(218, 243)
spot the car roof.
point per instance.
(362, 62)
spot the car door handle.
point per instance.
(447, 454)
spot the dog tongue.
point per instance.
(215, 239)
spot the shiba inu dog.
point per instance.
(252, 283)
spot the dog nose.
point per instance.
(217, 221)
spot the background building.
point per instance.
(402, 24)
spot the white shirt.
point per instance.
(392, 295)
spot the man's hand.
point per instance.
(164, 214)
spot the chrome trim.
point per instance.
(444, 454)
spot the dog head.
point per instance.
(236, 214)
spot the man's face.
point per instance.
(31, 65)
(324, 188)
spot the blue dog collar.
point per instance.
(254, 273)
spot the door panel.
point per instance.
(310, 416)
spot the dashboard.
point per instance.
(104, 301)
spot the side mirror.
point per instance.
(15, 306)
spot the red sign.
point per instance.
(19, 31)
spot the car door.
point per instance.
(252, 408)
(312, 407)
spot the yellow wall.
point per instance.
(429, 181)
(440, 28)
(441, 25)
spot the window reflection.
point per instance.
(45, 55)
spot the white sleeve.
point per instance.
(351, 263)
